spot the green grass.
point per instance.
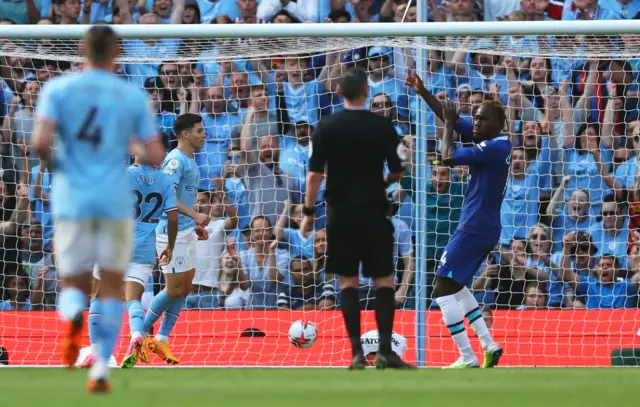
(174, 387)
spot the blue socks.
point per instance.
(94, 322)
(110, 324)
(159, 304)
(170, 318)
(136, 318)
(72, 301)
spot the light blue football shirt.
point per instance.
(183, 173)
(96, 113)
(155, 195)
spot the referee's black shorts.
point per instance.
(351, 240)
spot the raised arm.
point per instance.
(557, 200)
(178, 12)
(608, 137)
(246, 136)
(569, 136)
(281, 224)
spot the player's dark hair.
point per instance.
(353, 84)
(497, 109)
(101, 45)
(337, 14)
(186, 122)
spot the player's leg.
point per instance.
(74, 258)
(471, 310)
(135, 282)
(113, 251)
(343, 261)
(179, 275)
(377, 262)
(460, 260)
(94, 322)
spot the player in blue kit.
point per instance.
(182, 170)
(154, 194)
(93, 115)
(478, 231)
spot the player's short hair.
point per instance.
(101, 44)
(497, 109)
(186, 122)
(353, 84)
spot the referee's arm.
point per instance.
(392, 147)
(317, 162)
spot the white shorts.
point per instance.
(82, 244)
(184, 252)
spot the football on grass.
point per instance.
(302, 334)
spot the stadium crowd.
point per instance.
(571, 214)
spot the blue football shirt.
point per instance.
(183, 173)
(155, 195)
(95, 114)
(489, 166)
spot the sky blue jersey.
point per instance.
(489, 165)
(155, 195)
(96, 113)
(183, 173)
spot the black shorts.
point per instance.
(351, 241)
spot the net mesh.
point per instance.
(569, 240)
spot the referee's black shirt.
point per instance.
(354, 144)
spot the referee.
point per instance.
(353, 146)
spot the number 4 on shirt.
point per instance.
(88, 132)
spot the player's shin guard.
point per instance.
(453, 318)
(159, 304)
(385, 310)
(170, 318)
(94, 324)
(109, 327)
(351, 313)
(72, 301)
(136, 318)
(471, 310)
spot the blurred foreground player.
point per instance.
(93, 115)
(478, 231)
(354, 145)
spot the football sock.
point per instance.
(351, 312)
(170, 318)
(159, 304)
(385, 310)
(453, 319)
(136, 318)
(94, 324)
(109, 327)
(471, 310)
(72, 301)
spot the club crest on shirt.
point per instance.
(179, 261)
(173, 164)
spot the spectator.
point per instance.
(308, 290)
(620, 9)
(577, 256)
(20, 11)
(381, 79)
(164, 119)
(382, 105)
(539, 265)
(288, 232)
(572, 216)
(268, 187)
(264, 264)
(68, 12)
(234, 188)
(605, 288)
(218, 124)
(302, 10)
(234, 292)
(204, 292)
(535, 297)
(264, 123)
(16, 293)
(611, 235)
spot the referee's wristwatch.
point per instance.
(308, 211)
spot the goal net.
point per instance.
(559, 289)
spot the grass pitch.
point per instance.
(174, 387)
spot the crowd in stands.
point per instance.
(571, 213)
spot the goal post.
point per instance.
(206, 334)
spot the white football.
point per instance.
(303, 334)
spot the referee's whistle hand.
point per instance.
(306, 226)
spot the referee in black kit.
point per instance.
(353, 145)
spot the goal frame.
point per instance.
(361, 30)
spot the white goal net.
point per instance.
(560, 288)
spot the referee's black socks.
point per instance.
(351, 312)
(385, 309)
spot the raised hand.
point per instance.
(449, 111)
(413, 81)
